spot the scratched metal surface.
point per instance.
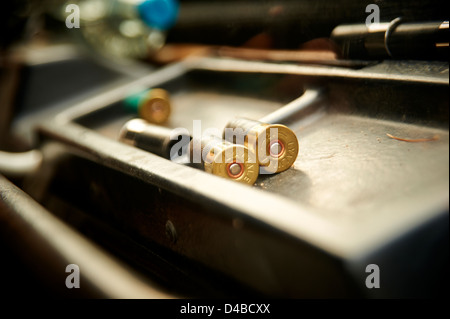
(353, 192)
(347, 168)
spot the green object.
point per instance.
(133, 102)
(151, 105)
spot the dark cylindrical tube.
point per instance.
(155, 139)
(398, 39)
(289, 23)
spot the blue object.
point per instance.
(159, 14)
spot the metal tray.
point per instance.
(354, 197)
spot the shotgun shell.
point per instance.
(225, 159)
(151, 105)
(275, 145)
(155, 139)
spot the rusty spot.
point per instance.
(434, 138)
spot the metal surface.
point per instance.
(98, 102)
(51, 245)
(309, 99)
(392, 71)
(20, 164)
(353, 197)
